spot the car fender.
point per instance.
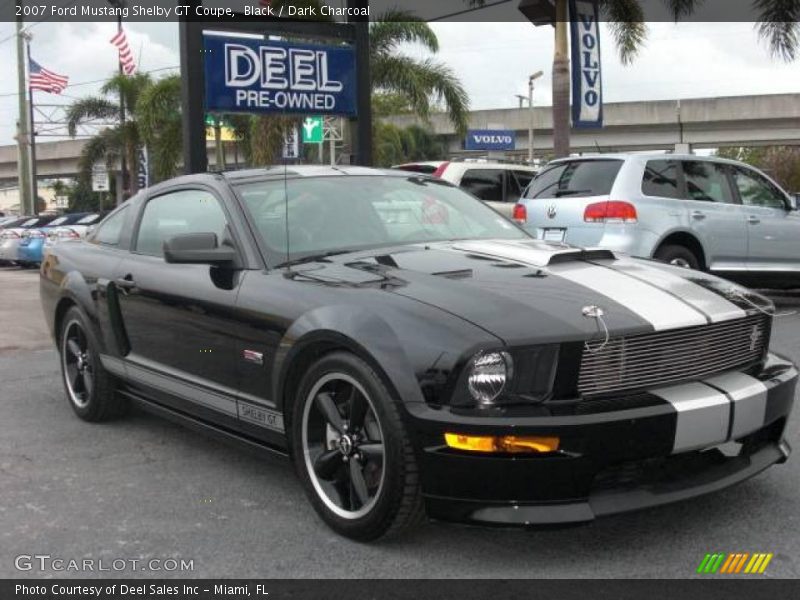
(75, 290)
(342, 325)
(685, 231)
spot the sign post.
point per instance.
(316, 76)
(100, 178)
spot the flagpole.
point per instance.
(32, 130)
(22, 123)
(123, 161)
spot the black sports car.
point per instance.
(413, 351)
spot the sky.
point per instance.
(493, 60)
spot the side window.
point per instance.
(707, 182)
(109, 230)
(754, 190)
(661, 179)
(486, 184)
(176, 213)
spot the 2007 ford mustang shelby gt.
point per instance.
(414, 352)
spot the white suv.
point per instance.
(498, 184)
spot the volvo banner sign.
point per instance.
(587, 83)
(266, 76)
(490, 139)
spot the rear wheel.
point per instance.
(351, 451)
(678, 256)
(91, 390)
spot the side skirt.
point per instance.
(222, 434)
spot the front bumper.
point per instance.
(682, 442)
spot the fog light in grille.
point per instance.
(502, 444)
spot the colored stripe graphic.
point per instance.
(734, 563)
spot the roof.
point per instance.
(308, 171)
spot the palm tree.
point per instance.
(121, 139)
(778, 25)
(158, 118)
(419, 83)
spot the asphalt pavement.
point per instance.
(142, 489)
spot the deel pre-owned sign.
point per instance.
(268, 76)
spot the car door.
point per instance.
(177, 318)
(714, 214)
(773, 229)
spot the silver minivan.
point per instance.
(699, 212)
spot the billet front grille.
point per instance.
(667, 357)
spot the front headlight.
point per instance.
(489, 374)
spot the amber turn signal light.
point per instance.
(500, 444)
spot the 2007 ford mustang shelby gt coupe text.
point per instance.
(414, 352)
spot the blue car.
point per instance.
(31, 248)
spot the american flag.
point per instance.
(125, 54)
(44, 80)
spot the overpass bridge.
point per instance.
(645, 125)
(642, 125)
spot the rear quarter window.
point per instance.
(660, 179)
(576, 178)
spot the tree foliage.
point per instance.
(782, 163)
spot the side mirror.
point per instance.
(197, 248)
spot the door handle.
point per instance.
(753, 220)
(698, 214)
(125, 283)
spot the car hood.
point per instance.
(532, 292)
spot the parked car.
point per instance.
(10, 237)
(31, 246)
(498, 184)
(71, 231)
(427, 167)
(700, 212)
(414, 351)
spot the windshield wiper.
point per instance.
(561, 193)
(313, 257)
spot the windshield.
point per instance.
(328, 214)
(572, 179)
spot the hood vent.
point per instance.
(533, 253)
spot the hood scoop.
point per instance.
(534, 252)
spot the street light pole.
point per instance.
(531, 81)
(23, 150)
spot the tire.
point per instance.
(385, 498)
(90, 389)
(678, 256)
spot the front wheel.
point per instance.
(351, 451)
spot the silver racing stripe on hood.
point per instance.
(664, 299)
(710, 303)
(659, 308)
